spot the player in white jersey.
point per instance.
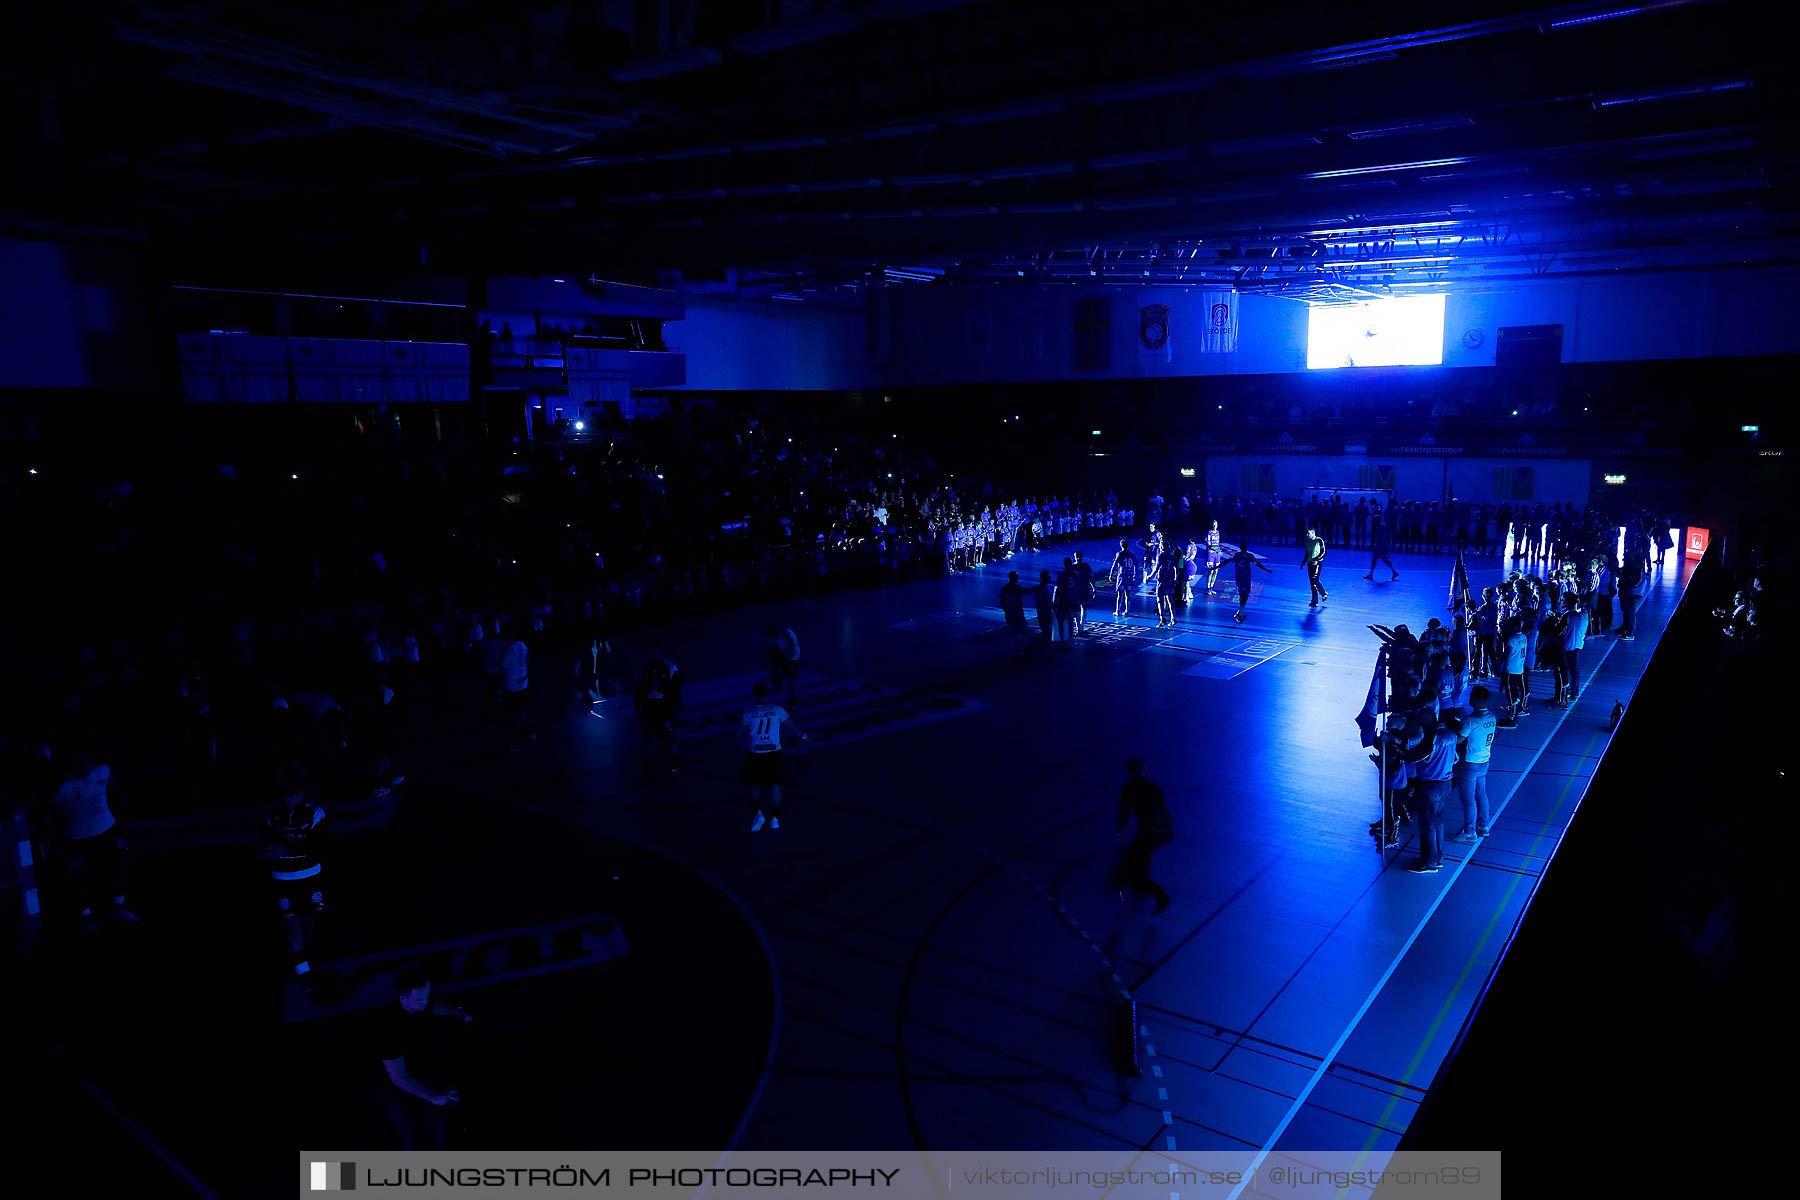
(1215, 558)
(762, 724)
(1190, 567)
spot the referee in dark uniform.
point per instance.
(1155, 828)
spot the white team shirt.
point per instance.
(763, 722)
(1478, 734)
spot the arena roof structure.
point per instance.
(1320, 151)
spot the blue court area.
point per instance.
(947, 942)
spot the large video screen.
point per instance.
(1399, 332)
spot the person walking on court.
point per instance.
(1012, 603)
(1166, 585)
(419, 1057)
(1315, 562)
(762, 723)
(1068, 586)
(1124, 576)
(1241, 564)
(1084, 590)
(291, 851)
(1215, 558)
(515, 687)
(658, 701)
(1381, 544)
(1155, 828)
(91, 849)
(1153, 553)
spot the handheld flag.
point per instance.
(1459, 582)
(1376, 701)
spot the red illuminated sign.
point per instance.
(1697, 542)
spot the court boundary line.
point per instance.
(150, 1143)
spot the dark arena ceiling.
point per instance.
(1306, 148)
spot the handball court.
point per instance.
(948, 948)
(928, 954)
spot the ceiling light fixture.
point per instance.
(1433, 126)
(1613, 14)
(1675, 93)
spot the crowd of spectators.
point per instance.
(1531, 627)
(1737, 620)
(220, 634)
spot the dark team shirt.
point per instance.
(1243, 562)
(294, 836)
(659, 691)
(396, 1033)
(1144, 800)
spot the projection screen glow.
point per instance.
(1397, 332)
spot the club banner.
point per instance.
(1153, 331)
(1375, 477)
(1259, 479)
(1515, 483)
(1696, 543)
(1220, 334)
